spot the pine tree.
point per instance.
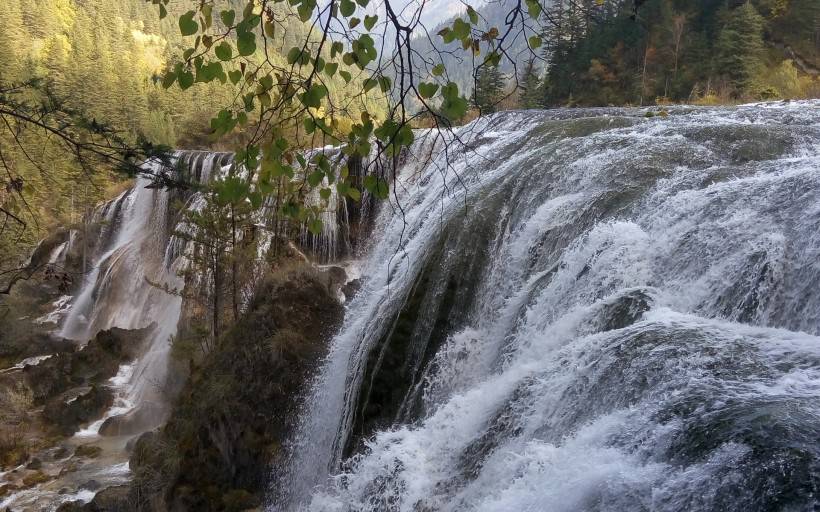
(740, 46)
(488, 89)
(530, 95)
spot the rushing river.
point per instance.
(568, 310)
(582, 310)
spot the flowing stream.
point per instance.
(133, 258)
(582, 310)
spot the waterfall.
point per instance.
(137, 261)
(581, 310)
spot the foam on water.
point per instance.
(641, 335)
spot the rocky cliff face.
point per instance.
(226, 428)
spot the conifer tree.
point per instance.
(739, 47)
(489, 86)
(530, 95)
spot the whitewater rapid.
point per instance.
(582, 310)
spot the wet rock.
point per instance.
(67, 416)
(61, 453)
(227, 426)
(35, 464)
(97, 362)
(91, 485)
(111, 499)
(626, 310)
(88, 450)
(351, 288)
(69, 467)
(36, 478)
(134, 422)
(71, 506)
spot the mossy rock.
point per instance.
(36, 478)
(13, 456)
(230, 419)
(88, 451)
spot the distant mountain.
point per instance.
(460, 63)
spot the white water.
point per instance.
(640, 331)
(133, 260)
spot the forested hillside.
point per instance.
(98, 58)
(609, 52)
(104, 62)
(682, 51)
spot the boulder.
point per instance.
(134, 422)
(67, 416)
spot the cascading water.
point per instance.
(134, 261)
(128, 284)
(584, 310)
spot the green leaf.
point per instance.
(313, 96)
(363, 3)
(207, 14)
(325, 193)
(376, 186)
(472, 14)
(248, 11)
(294, 54)
(427, 90)
(269, 29)
(438, 70)
(310, 125)
(228, 17)
(335, 48)
(347, 7)
(305, 10)
(330, 68)
(369, 84)
(346, 76)
(405, 136)
(353, 22)
(370, 22)
(162, 12)
(266, 82)
(493, 59)
(169, 79)
(354, 194)
(534, 8)
(187, 25)
(447, 35)
(315, 178)
(454, 106)
(315, 226)
(224, 51)
(535, 42)
(235, 76)
(186, 80)
(246, 43)
(461, 29)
